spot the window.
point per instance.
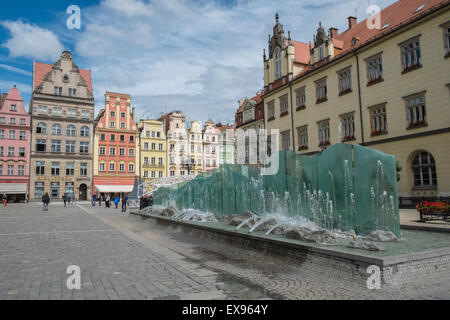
(55, 168)
(85, 114)
(415, 111)
(146, 161)
(22, 135)
(122, 167)
(42, 110)
(38, 190)
(70, 146)
(131, 138)
(122, 138)
(172, 161)
(41, 145)
(424, 171)
(378, 120)
(123, 115)
(131, 152)
(70, 168)
(12, 135)
(321, 90)
(374, 69)
(112, 151)
(348, 127)
(58, 91)
(56, 145)
(21, 171)
(153, 161)
(102, 167)
(2, 120)
(303, 138)
(23, 122)
(1, 169)
(71, 131)
(278, 64)
(285, 140)
(122, 152)
(153, 174)
(102, 151)
(56, 129)
(69, 187)
(113, 114)
(72, 92)
(160, 174)
(300, 98)
(84, 147)
(321, 52)
(271, 110)
(160, 161)
(411, 55)
(145, 174)
(153, 146)
(72, 113)
(146, 146)
(11, 152)
(131, 167)
(123, 125)
(40, 168)
(12, 120)
(83, 169)
(172, 173)
(21, 152)
(41, 128)
(112, 124)
(160, 147)
(84, 131)
(324, 133)
(54, 190)
(57, 111)
(2, 134)
(2, 150)
(13, 108)
(345, 81)
(447, 39)
(112, 167)
(172, 148)
(284, 105)
(10, 170)
(102, 137)
(113, 137)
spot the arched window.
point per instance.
(278, 64)
(424, 170)
(71, 130)
(84, 131)
(41, 128)
(56, 129)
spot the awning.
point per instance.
(114, 188)
(13, 188)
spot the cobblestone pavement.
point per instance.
(126, 257)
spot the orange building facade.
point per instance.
(115, 145)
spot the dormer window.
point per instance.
(278, 64)
(13, 108)
(321, 53)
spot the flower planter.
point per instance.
(433, 210)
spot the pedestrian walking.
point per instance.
(5, 200)
(64, 198)
(94, 199)
(99, 200)
(124, 202)
(45, 201)
(116, 201)
(108, 201)
(68, 199)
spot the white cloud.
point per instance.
(197, 56)
(31, 41)
(14, 69)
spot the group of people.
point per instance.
(67, 199)
(146, 201)
(109, 200)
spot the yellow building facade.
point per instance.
(386, 88)
(153, 150)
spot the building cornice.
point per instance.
(53, 98)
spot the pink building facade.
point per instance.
(15, 137)
(211, 150)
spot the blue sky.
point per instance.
(197, 56)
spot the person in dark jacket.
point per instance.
(45, 201)
(64, 198)
(5, 200)
(124, 202)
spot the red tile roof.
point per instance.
(394, 17)
(302, 53)
(41, 69)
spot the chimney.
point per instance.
(333, 32)
(351, 22)
(134, 114)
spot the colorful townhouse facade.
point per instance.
(15, 139)
(116, 153)
(386, 87)
(195, 148)
(227, 154)
(177, 143)
(153, 150)
(62, 119)
(210, 146)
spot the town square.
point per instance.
(163, 150)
